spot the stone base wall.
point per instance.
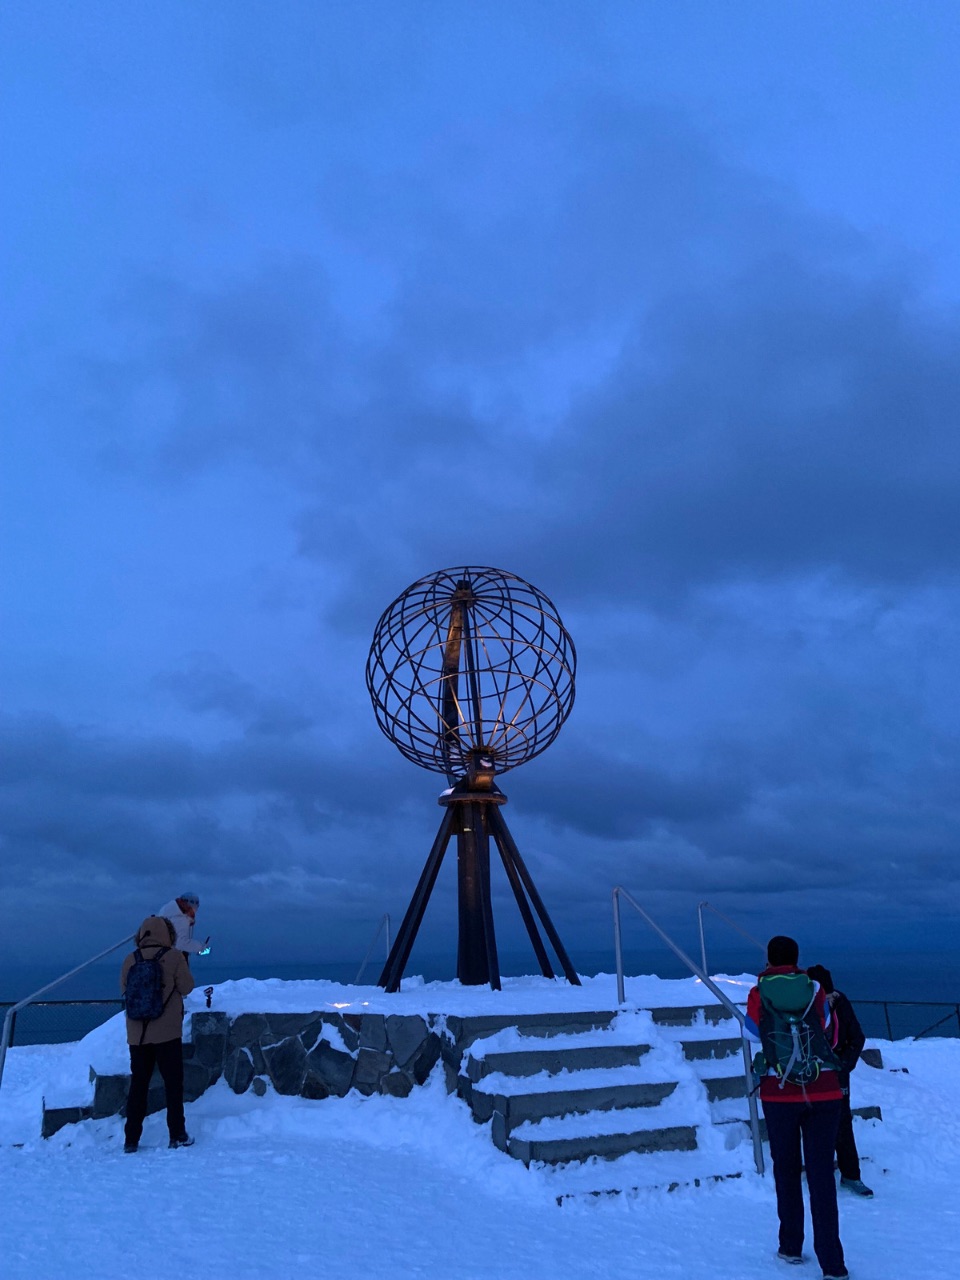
(313, 1055)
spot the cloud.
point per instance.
(204, 684)
(634, 363)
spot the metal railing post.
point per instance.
(618, 946)
(703, 942)
(383, 921)
(6, 1038)
(708, 982)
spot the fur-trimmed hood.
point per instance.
(156, 931)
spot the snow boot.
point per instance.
(793, 1258)
(130, 1147)
(856, 1186)
(184, 1140)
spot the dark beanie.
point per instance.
(819, 974)
(782, 951)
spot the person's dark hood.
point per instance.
(156, 931)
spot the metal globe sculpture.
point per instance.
(471, 673)
(470, 663)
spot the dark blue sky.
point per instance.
(654, 305)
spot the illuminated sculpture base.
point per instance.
(472, 814)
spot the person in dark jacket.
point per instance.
(159, 1041)
(802, 1123)
(850, 1041)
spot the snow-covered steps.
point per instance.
(712, 1044)
(609, 1085)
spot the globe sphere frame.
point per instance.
(471, 663)
(471, 672)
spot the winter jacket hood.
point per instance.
(156, 931)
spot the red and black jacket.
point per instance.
(826, 1087)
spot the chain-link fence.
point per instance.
(58, 1021)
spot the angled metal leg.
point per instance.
(546, 968)
(407, 933)
(502, 833)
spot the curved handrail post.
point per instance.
(15, 1008)
(733, 925)
(618, 947)
(703, 943)
(618, 893)
(383, 921)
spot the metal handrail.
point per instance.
(21, 1004)
(618, 893)
(952, 1005)
(384, 920)
(733, 925)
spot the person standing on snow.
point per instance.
(802, 1118)
(156, 1040)
(182, 914)
(850, 1041)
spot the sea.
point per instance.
(897, 993)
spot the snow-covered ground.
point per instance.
(387, 1187)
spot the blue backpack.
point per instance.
(143, 997)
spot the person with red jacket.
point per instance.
(802, 1122)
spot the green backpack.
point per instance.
(794, 1044)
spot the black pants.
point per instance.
(813, 1126)
(168, 1058)
(848, 1159)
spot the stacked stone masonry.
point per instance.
(313, 1055)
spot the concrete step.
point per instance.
(465, 1030)
(721, 1087)
(514, 1109)
(697, 1050)
(687, 1015)
(629, 1192)
(581, 1138)
(531, 1062)
(722, 1077)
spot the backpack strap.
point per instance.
(795, 1036)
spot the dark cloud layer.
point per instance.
(567, 330)
(748, 389)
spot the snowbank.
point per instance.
(401, 1188)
